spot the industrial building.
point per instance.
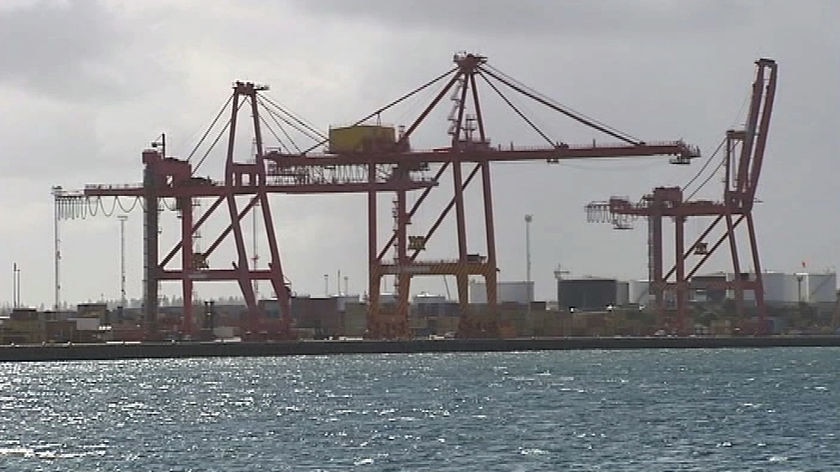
(780, 289)
(591, 293)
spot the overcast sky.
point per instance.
(86, 85)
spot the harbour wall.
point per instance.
(68, 352)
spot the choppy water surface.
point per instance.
(652, 410)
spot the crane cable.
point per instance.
(703, 168)
(566, 110)
(514, 108)
(305, 130)
(723, 141)
(204, 136)
(215, 141)
(712, 174)
(282, 145)
(283, 129)
(131, 208)
(294, 117)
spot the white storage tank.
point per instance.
(791, 288)
(822, 288)
(779, 288)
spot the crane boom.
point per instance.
(486, 154)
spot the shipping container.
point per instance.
(361, 138)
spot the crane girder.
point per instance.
(488, 154)
(221, 190)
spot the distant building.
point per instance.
(520, 292)
(591, 293)
(782, 288)
(708, 288)
(428, 298)
(426, 304)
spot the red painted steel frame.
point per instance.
(392, 322)
(739, 196)
(381, 170)
(172, 178)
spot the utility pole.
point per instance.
(122, 219)
(326, 285)
(528, 219)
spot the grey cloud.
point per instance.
(532, 18)
(60, 49)
(658, 69)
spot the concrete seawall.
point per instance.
(296, 348)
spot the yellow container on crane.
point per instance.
(362, 138)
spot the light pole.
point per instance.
(528, 219)
(326, 285)
(16, 285)
(122, 219)
(57, 191)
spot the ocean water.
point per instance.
(648, 410)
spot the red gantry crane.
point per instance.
(468, 145)
(246, 186)
(744, 155)
(362, 158)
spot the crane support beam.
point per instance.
(213, 274)
(436, 268)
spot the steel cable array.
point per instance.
(553, 104)
(71, 207)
